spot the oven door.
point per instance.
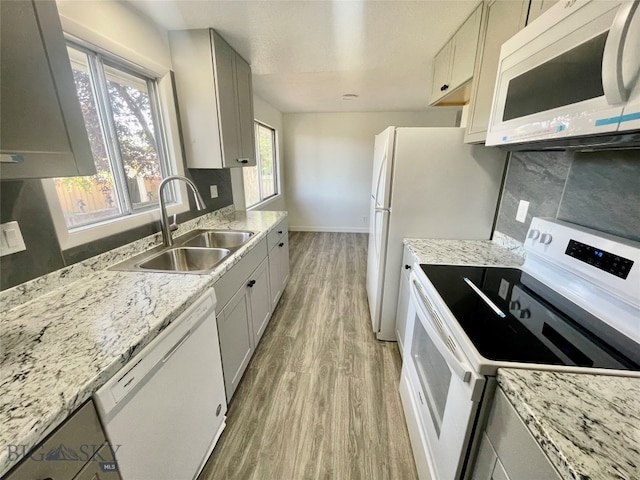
(570, 73)
(440, 392)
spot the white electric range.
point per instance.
(574, 306)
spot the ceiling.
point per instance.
(305, 55)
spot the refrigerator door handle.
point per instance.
(381, 174)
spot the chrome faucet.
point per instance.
(167, 228)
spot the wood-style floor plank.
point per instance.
(319, 399)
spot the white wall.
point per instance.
(265, 113)
(328, 160)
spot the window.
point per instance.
(261, 182)
(120, 110)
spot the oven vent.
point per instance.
(440, 325)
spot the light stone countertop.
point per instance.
(587, 425)
(462, 252)
(59, 345)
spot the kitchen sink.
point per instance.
(198, 251)
(217, 238)
(183, 259)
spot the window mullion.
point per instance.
(111, 138)
(161, 141)
(274, 161)
(258, 161)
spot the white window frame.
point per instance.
(276, 160)
(173, 152)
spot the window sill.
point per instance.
(264, 203)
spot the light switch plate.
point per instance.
(213, 189)
(11, 240)
(523, 207)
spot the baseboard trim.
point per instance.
(298, 228)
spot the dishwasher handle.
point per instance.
(175, 348)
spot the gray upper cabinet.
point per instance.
(42, 131)
(501, 20)
(453, 65)
(215, 100)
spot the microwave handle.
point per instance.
(612, 80)
(460, 368)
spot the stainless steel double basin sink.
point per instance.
(199, 251)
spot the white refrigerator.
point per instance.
(427, 183)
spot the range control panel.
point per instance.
(608, 262)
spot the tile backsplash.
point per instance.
(24, 201)
(599, 190)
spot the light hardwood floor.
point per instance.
(320, 398)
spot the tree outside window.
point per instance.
(118, 106)
(260, 181)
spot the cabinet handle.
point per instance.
(407, 267)
(281, 244)
(444, 87)
(251, 283)
(280, 232)
(218, 409)
(242, 160)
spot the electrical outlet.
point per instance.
(213, 189)
(521, 214)
(11, 240)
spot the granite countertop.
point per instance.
(64, 335)
(587, 425)
(462, 252)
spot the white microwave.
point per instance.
(570, 79)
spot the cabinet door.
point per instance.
(403, 306)
(258, 285)
(278, 269)
(225, 78)
(465, 46)
(245, 112)
(538, 7)
(503, 19)
(236, 339)
(441, 72)
(43, 132)
(485, 461)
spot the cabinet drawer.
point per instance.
(517, 450)
(275, 235)
(79, 436)
(231, 281)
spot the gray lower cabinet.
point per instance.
(236, 339)
(260, 299)
(43, 133)
(508, 451)
(243, 311)
(76, 450)
(278, 242)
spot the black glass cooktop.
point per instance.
(510, 316)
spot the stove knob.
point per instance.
(545, 238)
(526, 313)
(533, 234)
(514, 305)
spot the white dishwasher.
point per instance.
(165, 410)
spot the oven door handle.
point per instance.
(438, 334)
